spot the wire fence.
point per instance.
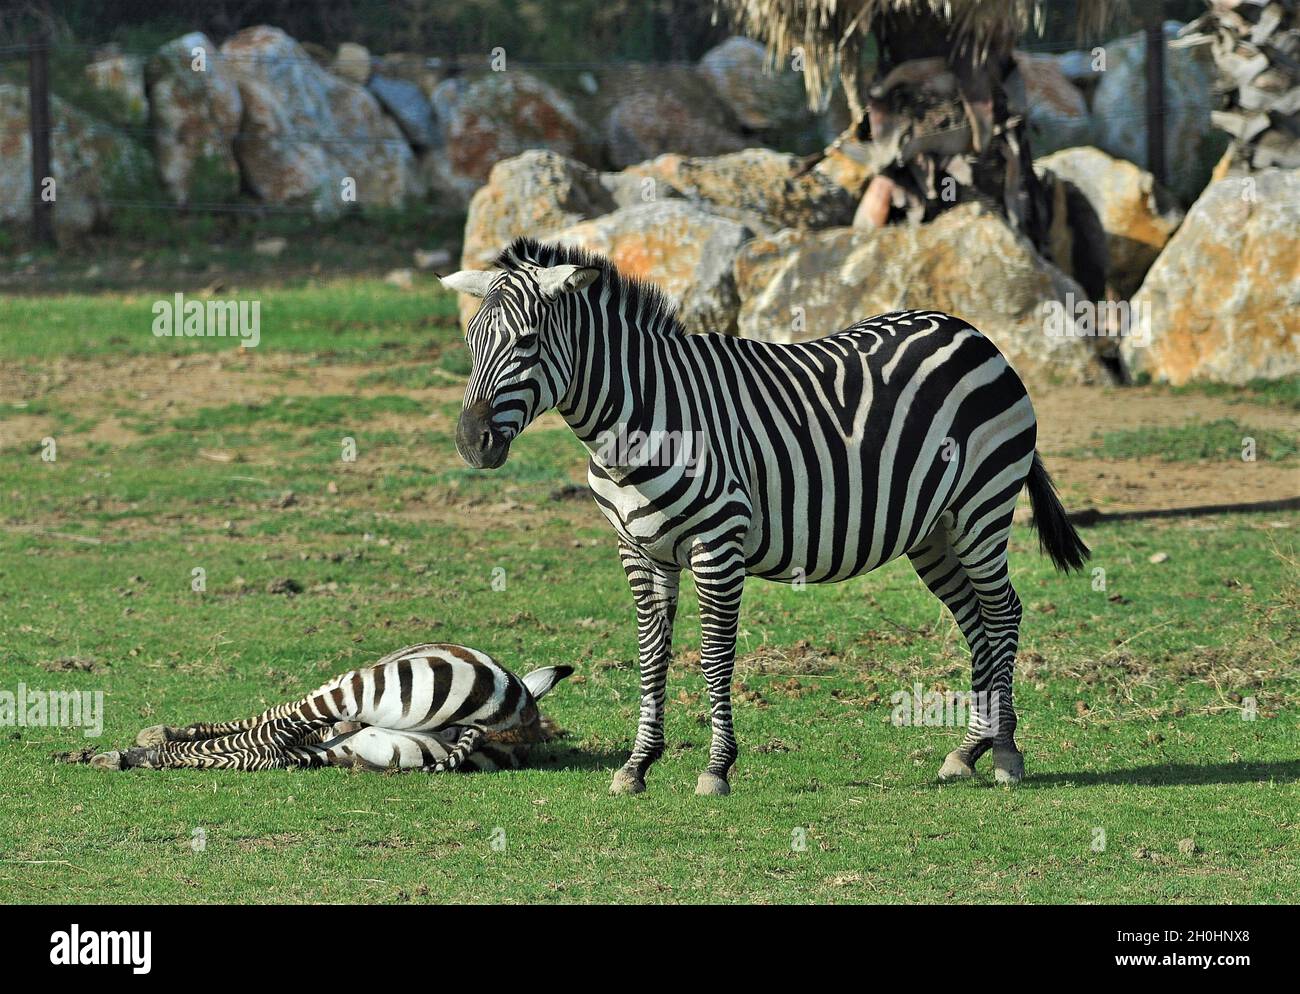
(588, 145)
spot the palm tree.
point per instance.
(935, 125)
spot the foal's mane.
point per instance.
(635, 296)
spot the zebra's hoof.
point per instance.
(151, 737)
(107, 761)
(711, 784)
(955, 767)
(1008, 765)
(627, 783)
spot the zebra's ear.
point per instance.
(556, 280)
(475, 282)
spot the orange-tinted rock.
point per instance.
(1137, 216)
(1224, 295)
(535, 194)
(757, 187)
(686, 251)
(498, 116)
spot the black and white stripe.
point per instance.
(433, 707)
(905, 434)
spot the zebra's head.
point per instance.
(519, 366)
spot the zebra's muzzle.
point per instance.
(478, 441)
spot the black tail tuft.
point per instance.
(1056, 536)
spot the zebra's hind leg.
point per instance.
(156, 735)
(940, 570)
(983, 556)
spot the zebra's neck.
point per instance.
(616, 365)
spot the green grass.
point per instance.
(1221, 439)
(364, 319)
(1132, 698)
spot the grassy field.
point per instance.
(1158, 710)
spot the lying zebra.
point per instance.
(429, 707)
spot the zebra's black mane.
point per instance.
(636, 295)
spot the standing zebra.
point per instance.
(905, 434)
(431, 707)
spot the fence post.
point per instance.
(39, 121)
(1155, 98)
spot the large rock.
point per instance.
(644, 125)
(409, 107)
(686, 251)
(1137, 215)
(498, 116)
(536, 194)
(1192, 146)
(763, 102)
(1055, 108)
(757, 187)
(310, 136)
(1224, 295)
(90, 163)
(123, 76)
(801, 285)
(194, 115)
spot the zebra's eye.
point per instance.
(526, 340)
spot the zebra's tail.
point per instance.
(1056, 536)
(540, 681)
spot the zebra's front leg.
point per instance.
(655, 589)
(719, 581)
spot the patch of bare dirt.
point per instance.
(156, 389)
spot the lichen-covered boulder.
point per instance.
(772, 104)
(800, 285)
(1192, 145)
(1137, 215)
(757, 187)
(359, 155)
(683, 249)
(122, 75)
(1224, 295)
(536, 194)
(650, 123)
(498, 116)
(88, 161)
(194, 112)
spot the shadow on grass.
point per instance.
(1172, 774)
(573, 758)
